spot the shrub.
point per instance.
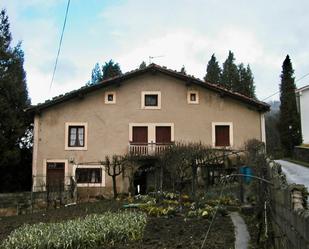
(92, 231)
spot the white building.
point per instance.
(303, 104)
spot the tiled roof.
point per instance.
(190, 79)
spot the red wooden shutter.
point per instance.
(140, 134)
(163, 134)
(222, 135)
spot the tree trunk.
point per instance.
(114, 186)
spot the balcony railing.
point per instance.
(149, 149)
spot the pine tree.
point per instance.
(183, 70)
(14, 122)
(229, 77)
(96, 75)
(249, 87)
(213, 71)
(289, 121)
(142, 65)
(245, 84)
(110, 70)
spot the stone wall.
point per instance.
(289, 211)
(301, 153)
(28, 202)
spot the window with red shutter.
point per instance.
(222, 135)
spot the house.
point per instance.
(141, 111)
(303, 106)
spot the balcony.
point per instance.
(148, 149)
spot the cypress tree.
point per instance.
(245, 84)
(110, 70)
(213, 71)
(289, 120)
(249, 87)
(142, 65)
(229, 77)
(96, 75)
(14, 122)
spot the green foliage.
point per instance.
(96, 75)
(213, 71)
(245, 84)
(93, 231)
(273, 143)
(142, 65)
(14, 121)
(230, 76)
(289, 120)
(236, 78)
(110, 70)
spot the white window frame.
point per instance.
(158, 93)
(151, 130)
(85, 166)
(214, 124)
(106, 98)
(66, 135)
(197, 100)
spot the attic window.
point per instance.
(192, 97)
(110, 98)
(151, 100)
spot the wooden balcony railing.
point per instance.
(149, 149)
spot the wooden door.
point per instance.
(140, 134)
(55, 176)
(163, 134)
(222, 135)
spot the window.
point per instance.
(192, 97)
(76, 136)
(90, 175)
(222, 134)
(110, 98)
(151, 100)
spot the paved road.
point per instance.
(242, 236)
(295, 173)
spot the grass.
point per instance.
(93, 231)
(291, 160)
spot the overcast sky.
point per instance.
(184, 32)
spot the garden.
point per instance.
(176, 212)
(165, 221)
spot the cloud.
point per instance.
(184, 32)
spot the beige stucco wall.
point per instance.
(108, 124)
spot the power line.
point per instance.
(60, 44)
(305, 75)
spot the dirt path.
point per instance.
(241, 232)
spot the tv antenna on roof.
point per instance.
(154, 57)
